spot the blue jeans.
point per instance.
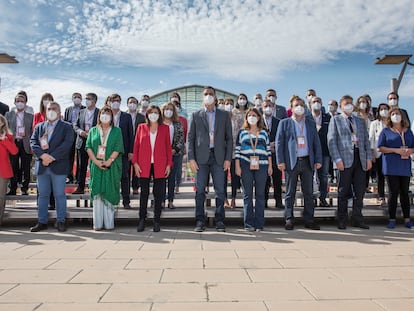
(323, 174)
(253, 179)
(172, 177)
(46, 183)
(202, 177)
(304, 170)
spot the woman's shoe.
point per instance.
(171, 205)
(141, 225)
(226, 204)
(156, 226)
(409, 225)
(233, 203)
(391, 224)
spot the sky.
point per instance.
(144, 47)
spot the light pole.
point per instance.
(395, 60)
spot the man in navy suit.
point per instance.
(51, 142)
(124, 121)
(3, 108)
(298, 153)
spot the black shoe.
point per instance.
(279, 204)
(39, 227)
(25, 192)
(78, 191)
(11, 193)
(171, 205)
(199, 227)
(220, 227)
(127, 206)
(315, 202)
(312, 225)
(156, 226)
(61, 227)
(341, 225)
(141, 225)
(289, 225)
(360, 224)
(323, 203)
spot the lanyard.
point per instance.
(254, 145)
(300, 125)
(401, 135)
(104, 137)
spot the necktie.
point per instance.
(350, 124)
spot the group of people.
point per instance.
(254, 143)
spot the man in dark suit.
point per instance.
(271, 124)
(51, 142)
(71, 116)
(137, 119)
(322, 124)
(20, 123)
(3, 108)
(123, 120)
(298, 153)
(210, 145)
(87, 118)
(279, 111)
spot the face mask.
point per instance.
(331, 108)
(316, 106)
(51, 115)
(396, 118)
(174, 99)
(363, 105)
(268, 111)
(105, 118)
(348, 108)
(221, 106)
(242, 102)
(258, 102)
(145, 103)
(252, 120)
(299, 110)
(383, 113)
(153, 117)
(77, 101)
(392, 102)
(272, 99)
(168, 113)
(132, 107)
(115, 105)
(309, 97)
(20, 105)
(88, 103)
(46, 102)
(228, 107)
(208, 100)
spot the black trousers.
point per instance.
(21, 162)
(276, 179)
(351, 180)
(72, 160)
(398, 185)
(82, 161)
(158, 191)
(125, 180)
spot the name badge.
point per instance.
(20, 131)
(301, 141)
(43, 143)
(405, 149)
(254, 162)
(101, 152)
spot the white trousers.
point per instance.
(103, 214)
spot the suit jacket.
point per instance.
(3, 108)
(340, 141)
(280, 112)
(7, 148)
(27, 122)
(139, 118)
(323, 133)
(286, 143)
(60, 145)
(272, 135)
(199, 139)
(125, 123)
(162, 150)
(68, 113)
(80, 126)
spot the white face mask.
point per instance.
(309, 97)
(228, 107)
(88, 103)
(396, 118)
(299, 110)
(348, 108)
(105, 118)
(132, 106)
(242, 102)
(168, 113)
(221, 106)
(115, 105)
(51, 115)
(174, 99)
(316, 106)
(145, 103)
(153, 117)
(208, 100)
(46, 102)
(272, 99)
(252, 120)
(392, 102)
(383, 113)
(258, 102)
(331, 108)
(268, 111)
(77, 101)
(363, 105)
(20, 105)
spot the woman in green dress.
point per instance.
(104, 146)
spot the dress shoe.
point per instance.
(61, 226)
(289, 225)
(177, 190)
(323, 203)
(135, 191)
(78, 191)
(199, 227)
(312, 225)
(39, 227)
(171, 205)
(360, 224)
(141, 225)
(127, 206)
(156, 226)
(220, 227)
(341, 225)
(249, 228)
(11, 193)
(25, 192)
(279, 204)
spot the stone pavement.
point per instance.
(178, 269)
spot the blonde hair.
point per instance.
(4, 128)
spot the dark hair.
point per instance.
(345, 97)
(368, 108)
(160, 120)
(101, 111)
(113, 96)
(377, 115)
(93, 95)
(246, 124)
(42, 108)
(237, 102)
(22, 93)
(175, 94)
(393, 93)
(210, 87)
(76, 93)
(404, 121)
(293, 98)
(164, 107)
(132, 97)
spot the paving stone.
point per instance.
(204, 276)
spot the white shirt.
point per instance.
(153, 137)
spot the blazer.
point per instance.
(286, 145)
(340, 141)
(28, 130)
(272, 135)
(68, 113)
(199, 139)
(125, 123)
(60, 145)
(80, 126)
(7, 148)
(280, 112)
(323, 133)
(162, 150)
(3, 108)
(139, 118)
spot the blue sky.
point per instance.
(143, 46)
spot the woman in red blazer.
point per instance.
(152, 157)
(7, 147)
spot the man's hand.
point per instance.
(226, 165)
(281, 167)
(369, 165)
(318, 166)
(137, 170)
(193, 166)
(84, 134)
(340, 165)
(130, 155)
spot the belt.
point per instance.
(302, 158)
(211, 149)
(18, 139)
